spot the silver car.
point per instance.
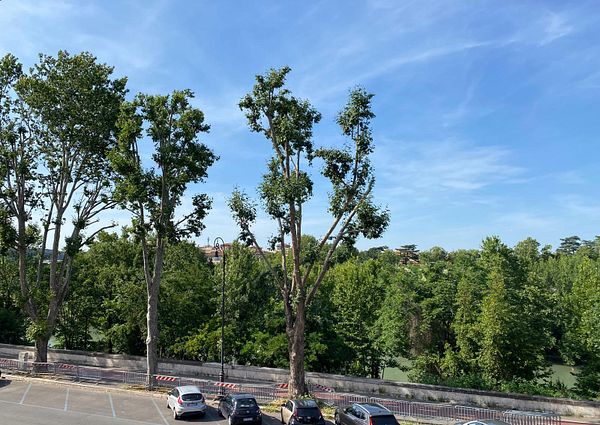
(186, 400)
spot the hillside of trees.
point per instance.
(491, 318)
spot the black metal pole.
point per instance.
(219, 244)
(222, 374)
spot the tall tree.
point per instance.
(582, 340)
(358, 296)
(569, 245)
(287, 122)
(56, 127)
(153, 194)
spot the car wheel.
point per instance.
(175, 415)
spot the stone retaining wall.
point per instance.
(377, 387)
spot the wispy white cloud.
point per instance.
(450, 166)
(579, 206)
(31, 27)
(573, 177)
(555, 26)
(524, 222)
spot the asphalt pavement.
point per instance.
(31, 402)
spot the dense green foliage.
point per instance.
(489, 318)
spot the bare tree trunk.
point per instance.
(152, 333)
(297, 383)
(152, 314)
(41, 348)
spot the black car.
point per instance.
(364, 414)
(296, 412)
(240, 409)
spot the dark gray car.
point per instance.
(296, 412)
(240, 409)
(364, 414)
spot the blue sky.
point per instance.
(488, 113)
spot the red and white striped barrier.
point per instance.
(65, 366)
(225, 385)
(282, 386)
(322, 388)
(166, 378)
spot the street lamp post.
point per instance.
(219, 245)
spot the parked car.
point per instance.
(295, 412)
(186, 400)
(240, 409)
(364, 414)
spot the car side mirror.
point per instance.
(282, 404)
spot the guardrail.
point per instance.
(410, 410)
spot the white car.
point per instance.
(186, 400)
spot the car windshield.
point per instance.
(245, 403)
(192, 397)
(384, 420)
(312, 412)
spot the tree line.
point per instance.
(492, 318)
(72, 146)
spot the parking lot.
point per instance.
(26, 402)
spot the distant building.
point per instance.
(214, 254)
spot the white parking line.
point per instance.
(82, 414)
(25, 394)
(67, 400)
(112, 406)
(160, 412)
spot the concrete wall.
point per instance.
(373, 387)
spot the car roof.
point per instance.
(374, 409)
(189, 389)
(490, 421)
(305, 403)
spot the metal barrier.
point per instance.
(515, 417)
(65, 369)
(399, 407)
(264, 394)
(207, 387)
(268, 393)
(41, 367)
(340, 399)
(11, 364)
(467, 413)
(135, 378)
